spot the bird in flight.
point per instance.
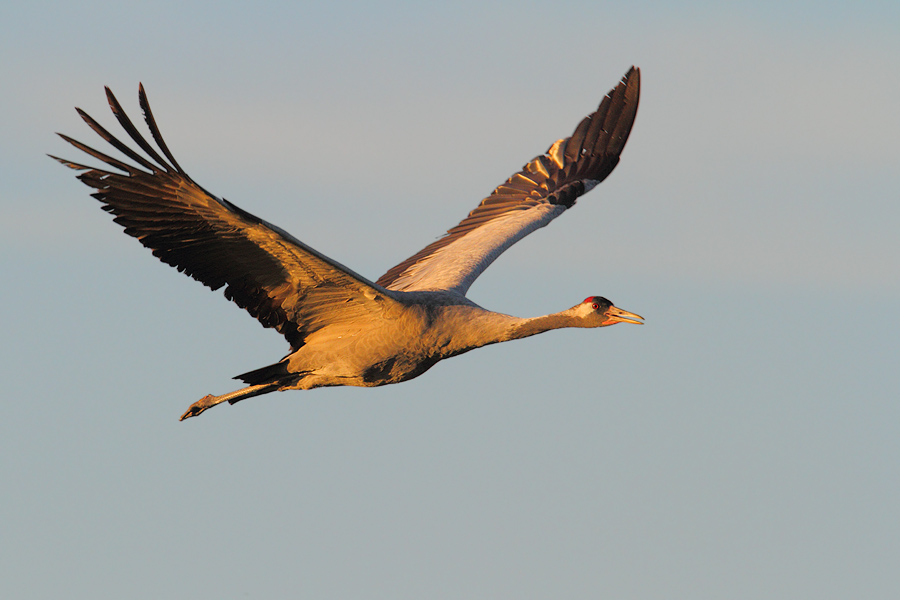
(344, 329)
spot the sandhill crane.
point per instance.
(344, 329)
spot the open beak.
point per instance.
(617, 315)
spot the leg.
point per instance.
(209, 401)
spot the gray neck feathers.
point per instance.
(474, 327)
(528, 327)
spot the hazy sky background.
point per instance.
(742, 444)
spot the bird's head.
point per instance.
(597, 311)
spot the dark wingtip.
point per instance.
(84, 116)
(112, 101)
(633, 81)
(144, 103)
(132, 131)
(68, 163)
(629, 91)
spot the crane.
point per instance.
(344, 329)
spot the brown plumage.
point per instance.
(342, 328)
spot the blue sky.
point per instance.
(742, 444)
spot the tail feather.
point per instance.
(270, 374)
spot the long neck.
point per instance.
(527, 327)
(467, 327)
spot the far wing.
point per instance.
(279, 280)
(530, 199)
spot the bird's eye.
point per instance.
(595, 306)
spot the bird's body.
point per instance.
(343, 328)
(406, 337)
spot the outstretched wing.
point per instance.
(530, 199)
(279, 280)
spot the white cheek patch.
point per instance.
(584, 309)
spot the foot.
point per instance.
(199, 406)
